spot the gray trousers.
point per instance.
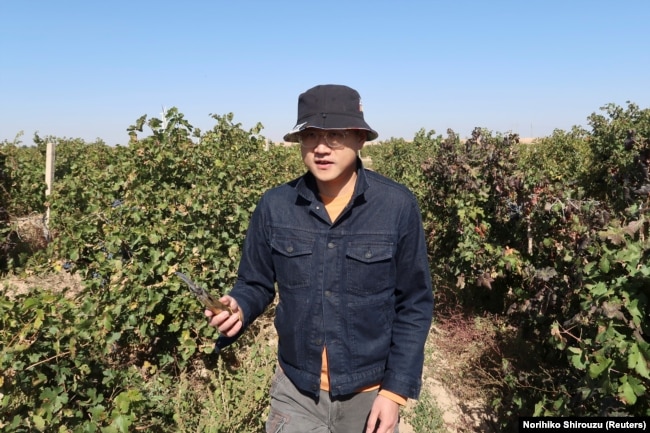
(295, 412)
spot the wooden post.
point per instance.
(49, 181)
(529, 233)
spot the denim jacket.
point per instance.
(360, 285)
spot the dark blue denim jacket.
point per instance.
(360, 285)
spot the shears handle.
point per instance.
(208, 301)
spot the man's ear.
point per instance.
(363, 137)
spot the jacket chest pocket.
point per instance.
(292, 258)
(370, 267)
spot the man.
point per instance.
(347, 250)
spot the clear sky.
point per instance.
(88, 69)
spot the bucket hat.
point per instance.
(330, 106)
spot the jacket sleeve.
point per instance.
(413, 307)
(254, 289)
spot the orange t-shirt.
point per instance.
(334, 207)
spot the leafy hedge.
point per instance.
(553, 237)
(124, 219)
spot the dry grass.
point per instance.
(57, 282)
(31, 231)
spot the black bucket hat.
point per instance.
(330, 106)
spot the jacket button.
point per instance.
(331, 245)
(368, 254)
(289, 249)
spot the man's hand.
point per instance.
(228, 324)
(384, 416)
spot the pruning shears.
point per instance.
(202, 295)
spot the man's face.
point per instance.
(331, 155)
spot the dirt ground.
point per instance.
(445, 370)
(56, 281)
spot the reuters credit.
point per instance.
(596, 424)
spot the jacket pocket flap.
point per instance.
(292, 247)
(370, 253)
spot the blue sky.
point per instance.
(88, 69)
